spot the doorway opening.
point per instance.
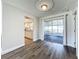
(54, 30)
(28, 30)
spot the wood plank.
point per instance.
(42, 50)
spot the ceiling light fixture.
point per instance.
(44, 5)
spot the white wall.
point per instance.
(12, 28)
(70, 30)
(35, 29)
(41, 29)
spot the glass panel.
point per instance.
(50, 23)
(50, 29)
(46, 23)
(54, 22)
(60, 29)
(46, 28)
(54, 26)
(60, 22)
(54, 29)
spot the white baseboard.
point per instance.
(11, 49)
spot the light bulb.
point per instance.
(44, 7)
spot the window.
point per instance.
(54, 26)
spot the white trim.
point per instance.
(77, 33)
(11, 49)
(54, 15)
(65, 31)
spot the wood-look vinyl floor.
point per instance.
(42, 50)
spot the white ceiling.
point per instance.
(30, 6)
